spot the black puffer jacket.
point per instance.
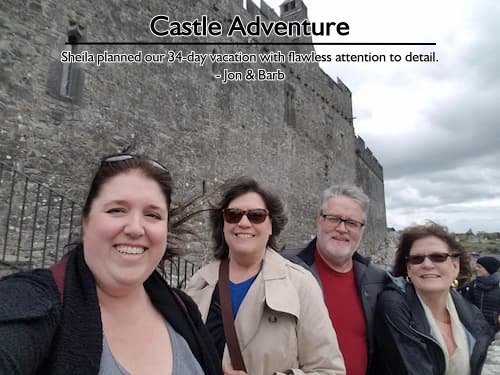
(484, 292)
(402, 329)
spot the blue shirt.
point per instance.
(238, 292)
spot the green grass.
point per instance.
(480, 245)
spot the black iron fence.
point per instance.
(37, 222)
(177, 271)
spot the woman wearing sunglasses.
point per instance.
(280, 321)
(423, 325)
(104, 309)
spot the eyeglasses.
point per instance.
(255, 215)
(335, 221)
(123, 157)
(434, 258)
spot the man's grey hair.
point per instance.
(349, 191)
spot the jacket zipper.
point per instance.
(434, 341)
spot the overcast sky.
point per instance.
(434, 127)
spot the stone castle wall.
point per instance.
(296, 135)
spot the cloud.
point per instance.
(435, 127)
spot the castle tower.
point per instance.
(293, 10)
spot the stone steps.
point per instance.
(492, 363)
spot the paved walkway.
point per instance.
(492, 364)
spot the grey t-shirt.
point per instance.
(184, 362)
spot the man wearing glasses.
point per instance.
(350, 283)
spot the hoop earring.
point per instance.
(408, 280)
(454, 283)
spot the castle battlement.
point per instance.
(365, 154)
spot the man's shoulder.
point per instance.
(393, 302)
(302, 254)
(377, 271)
(371, 270)
(289, 252)
(294, 250)
(292, 254)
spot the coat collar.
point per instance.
(208, 274)
(273, 277)
(465, 312)
(307, 255)
(272, 287)
(420, 320)
(280, 293)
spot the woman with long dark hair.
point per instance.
(104, 309)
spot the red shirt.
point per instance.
(346, 313)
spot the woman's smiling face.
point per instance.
(125, 232)
(429, 276)
(244, 236)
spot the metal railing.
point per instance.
(177, 271)
(37, 222)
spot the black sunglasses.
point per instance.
(434, 258)
(122, 157)
(255, 215)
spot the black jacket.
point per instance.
(484, 292)
(402, 329)
(370, 281)
(39, 335)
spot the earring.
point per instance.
(408, 280)
(454, 283)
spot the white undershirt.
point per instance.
(458, 363)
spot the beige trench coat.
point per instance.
(282, 325)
